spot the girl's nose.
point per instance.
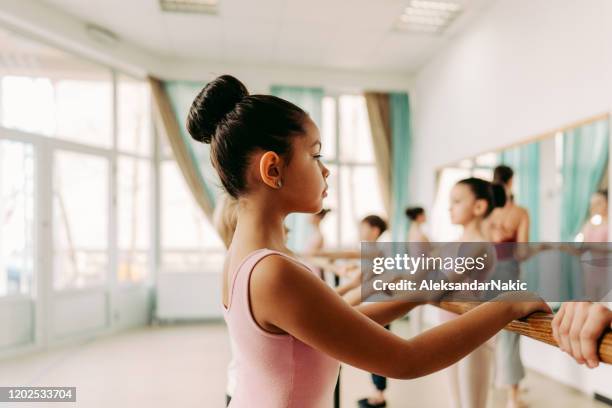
(325, 171)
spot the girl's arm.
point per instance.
(353, 297)
(285, 297)
(384, 313)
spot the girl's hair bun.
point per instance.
(414, 212)
(212, 105)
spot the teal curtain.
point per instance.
(525, 161)
(400, 155)
(181, 95)
(585, 155)
(311, 100)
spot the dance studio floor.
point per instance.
(184, 366)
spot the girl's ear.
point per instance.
(270, 169)
(480, 208)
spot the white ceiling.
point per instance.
(350, 34)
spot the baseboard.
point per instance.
(601, 398)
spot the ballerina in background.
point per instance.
(417, 218)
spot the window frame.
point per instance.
(44, 145)
(340, 164)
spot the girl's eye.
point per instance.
(318, 156)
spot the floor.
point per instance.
(184, 366)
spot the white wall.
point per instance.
(526, 67)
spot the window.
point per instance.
(70, 98)
(134, 218)
(134, 179)
(16, 217)
(355, 139)
(358, 199)
(189, 241)
(348, 153)
(133, 116)
(80, 220)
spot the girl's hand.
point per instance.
(577, 327)
(523, 304)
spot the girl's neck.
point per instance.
(472, 231)
(261, 225)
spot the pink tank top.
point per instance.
(273, 370)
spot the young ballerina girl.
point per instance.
(290, 329)
(417, 218)
(508, 224)
(471, 202)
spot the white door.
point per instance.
(80, 202)
(18, 253)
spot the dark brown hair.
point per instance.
(502, 174)
(237, 124)
(413, 212)
(376, 222)
(493, 193)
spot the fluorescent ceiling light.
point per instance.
(101, 34)
(435, 21)
(435, 5)
(190, 6)
(431, 16)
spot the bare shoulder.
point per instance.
(524, 213)
(495, 215)
(282, 293)
(278, 283)
(277, 271)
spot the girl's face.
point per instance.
(464, 206)
(304, 178)
(368, 233)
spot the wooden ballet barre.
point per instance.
(536, 326)
(335, 255)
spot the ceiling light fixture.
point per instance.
(430, 16)
(101, 35)
(190, 6)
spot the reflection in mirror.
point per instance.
(560, 179)
(557, 191)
